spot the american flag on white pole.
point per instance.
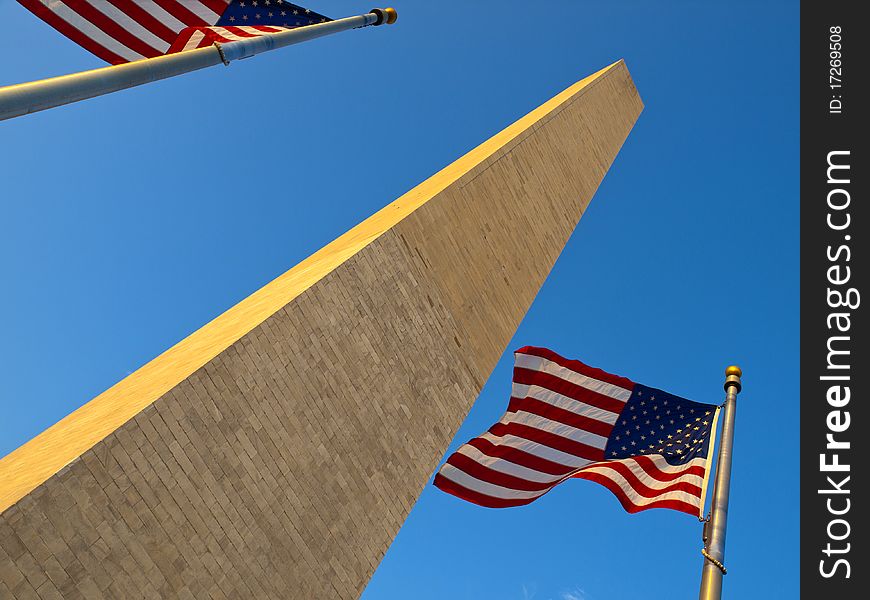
(120, 31)
(567, 420)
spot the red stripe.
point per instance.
(640, 487)
(649, 466)
(544, 409)
(631, 507)
(205, 41)
(180, 40)
(459, 491)
(146, 20)
(566, 388)
(182, 14)
(484, 473)
(520, 457)
(108, 26)
(44, 13)
(546, 438)
(578, 367)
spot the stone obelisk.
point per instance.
(276, 451)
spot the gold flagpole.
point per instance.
(714, 529)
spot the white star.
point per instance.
(232, 19)
(245, 17)
(254, 3)
(283, 13)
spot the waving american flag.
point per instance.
(567, 420)
(120, 31)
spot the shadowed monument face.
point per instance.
(275, 452)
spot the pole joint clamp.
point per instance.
(384, 16)
(715, 562)
(222, 55)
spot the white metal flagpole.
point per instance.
(26, 98)
(714, 530)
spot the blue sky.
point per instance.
(131, 220)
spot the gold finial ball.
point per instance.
(392, 15)
(733, 370)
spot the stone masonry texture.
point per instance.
(284, 466)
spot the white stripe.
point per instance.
(194, 40)
(536, 449)
(159, 13)
(536, 363)
(639, 500)
(90, 30)
(507, 467)
(521, 390)
(227, 34)
(255, 31)
(555, 427)
(490, 489)
(124, 21)
(200, 10)
(643, 476)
